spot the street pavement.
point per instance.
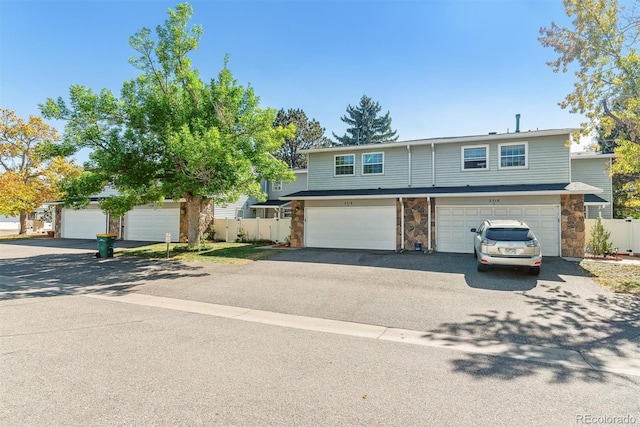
(119, 342)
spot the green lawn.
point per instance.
(220, 252)
(623, 278)
(22, 236)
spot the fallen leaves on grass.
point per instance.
(617, 277)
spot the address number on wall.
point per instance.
(494, 201)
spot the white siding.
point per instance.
(421, 165)
(595, 172)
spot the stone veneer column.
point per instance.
(572, 225)
(433, 224)
(416, 223)
(399, 237)
(57, 226)
(297, 223)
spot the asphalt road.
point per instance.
(71, 359)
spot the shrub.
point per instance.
(599, 243)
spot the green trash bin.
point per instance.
(106, 243)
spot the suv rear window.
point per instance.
(509, 234)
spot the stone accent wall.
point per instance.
(416, 223)
(572, 225)
(398, 225)
(57, 226)
(297, 223)
(183, 222)
(433, 224)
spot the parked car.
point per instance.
(506, 242)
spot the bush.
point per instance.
(599, 243)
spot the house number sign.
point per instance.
(494, 201)
(348, 203)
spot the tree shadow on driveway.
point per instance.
(76, 273)
(599, 328)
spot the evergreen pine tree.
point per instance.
(365, 126)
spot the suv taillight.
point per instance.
(488, 242)
(532, 243)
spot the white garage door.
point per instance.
(453, 225)
(366, 227)
(149, 224)
(83, 223)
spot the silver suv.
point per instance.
(506, 242)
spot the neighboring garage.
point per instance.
(453, 225)
(355, 224)
(83, 223)
(151, 223)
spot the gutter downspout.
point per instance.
(433, 165)
(429, 247)
(401, 224)
(409, 161)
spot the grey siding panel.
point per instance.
(548, 162)
(395, 175)
(595, 172)
(421, 166)
(228, 210)
(299, 184)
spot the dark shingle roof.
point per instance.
(592, 198)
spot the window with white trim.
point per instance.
(344, 164)
(475, 157)
(372, 163)
(513, 155)
(276, 186)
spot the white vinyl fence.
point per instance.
(276, 230)
(625, 233)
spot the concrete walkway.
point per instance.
(525, 352)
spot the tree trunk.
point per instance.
(193, 220)
(23, 223)
(206, 215)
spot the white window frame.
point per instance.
(526, 155)
(486, 150)
(335, 157)
(381, 163)
(276, 186)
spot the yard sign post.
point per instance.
(167, 239)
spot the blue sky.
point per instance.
(442, 68)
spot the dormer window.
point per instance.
(475, 157)
(276, 186)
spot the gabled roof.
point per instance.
(458, 191)
(512, 136)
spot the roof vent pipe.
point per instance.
(517, 123)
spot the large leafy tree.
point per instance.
(365, 125)
(170, 134)
(309, 134)
(29, 174)
(601, 48)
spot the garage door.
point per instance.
(367, 227)
(454, 222)
(149, 224)
(83, 223)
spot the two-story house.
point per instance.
(431, 192)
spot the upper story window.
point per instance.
(372, 163)
(344, 164)
(475, 157)
(513, 155)
(276, 186)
